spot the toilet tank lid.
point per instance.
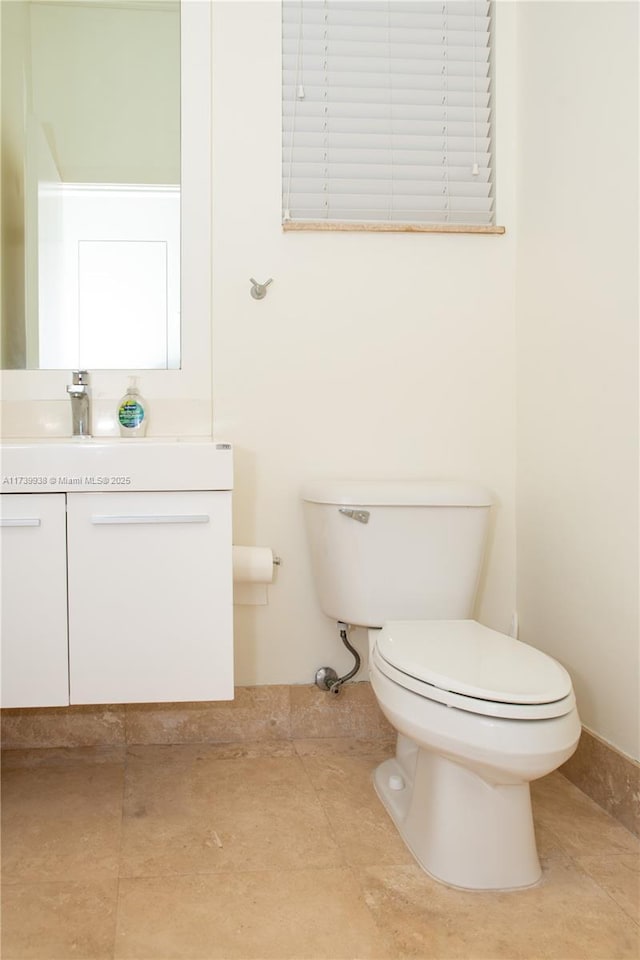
(405, 493)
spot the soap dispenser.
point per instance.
(132, 412)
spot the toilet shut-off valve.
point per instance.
(327, 678)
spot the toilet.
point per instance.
(478, 714)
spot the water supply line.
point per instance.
(327, 678)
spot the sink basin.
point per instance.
(58, 464)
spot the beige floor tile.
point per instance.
(337, 746)
(354, 713)
(63, 756)
(281, 849)
(580, 825)
(58, 921)
(360, 824)
(620, 877)
(267, 916)
(549, 846)
(255, 713)
(565, 917)
(202, 815)
(608, 777)
(77, 726)
(190, 753)
(61, 822)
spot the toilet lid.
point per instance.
(465, 657)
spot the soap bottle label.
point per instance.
(130, 414)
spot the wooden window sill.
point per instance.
(293, 225)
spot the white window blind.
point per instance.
(387, 112)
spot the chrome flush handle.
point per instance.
(362, 516)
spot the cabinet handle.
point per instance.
(20, 522)
(154, 518)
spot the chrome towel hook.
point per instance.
(259, 290)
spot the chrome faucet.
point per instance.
(80, 411)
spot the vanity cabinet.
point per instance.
(35, 669)
(116, 597)
(150, 596)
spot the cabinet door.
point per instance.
(35, 669)
(150, 597)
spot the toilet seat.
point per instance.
(465, 665)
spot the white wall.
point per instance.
(373, 355)
(577, 309)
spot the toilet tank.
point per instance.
(396, 550)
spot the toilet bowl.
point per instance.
(478, 714)
(493, 715)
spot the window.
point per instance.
(387, 115)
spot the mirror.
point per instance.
(90, 184)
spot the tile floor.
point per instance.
(280, 850)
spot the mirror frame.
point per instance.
(193, 380)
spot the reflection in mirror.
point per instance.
(90, 184)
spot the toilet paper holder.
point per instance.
(253, 571)
(254, 564)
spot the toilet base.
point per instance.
(461, 829)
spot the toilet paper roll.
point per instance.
(252, 565)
